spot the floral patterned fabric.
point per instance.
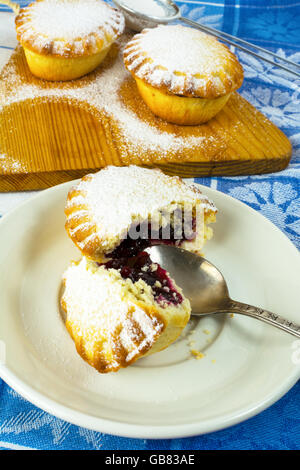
(274, 24)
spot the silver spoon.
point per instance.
(205, 287)
(137, 21)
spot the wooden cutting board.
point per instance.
(55, 132)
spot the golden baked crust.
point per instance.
(80, 225)
(102, 208)
(183, 61)
(68, 28)
(178, 109)
(113, 321)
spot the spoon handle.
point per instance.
(266, 316)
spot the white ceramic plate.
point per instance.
(247, 364)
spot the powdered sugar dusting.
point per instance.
(184, 60)
(102, 92)
(117, 197)
(102, 311)
(10, 165)
(61, 23)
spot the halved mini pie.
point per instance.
(65, 39)
(120, 211)
(184, 76)
(119, 312)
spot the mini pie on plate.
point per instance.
(119, 305)
(184, 76)
(65, 39)
(149, 206)
(116, 315)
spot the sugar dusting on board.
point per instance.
(10, 165)
(101, 91)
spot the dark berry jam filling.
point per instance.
(129, 247)
(141, 267)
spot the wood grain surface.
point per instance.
(45, 141)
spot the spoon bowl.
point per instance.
(201, 282)
(205, 287)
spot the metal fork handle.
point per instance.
(264, 315)
(233, 41)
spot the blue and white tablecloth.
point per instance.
(274, 24)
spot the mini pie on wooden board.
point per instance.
(66, 39)
(100, 119)
(185, 76)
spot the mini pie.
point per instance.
(65, 39)
(120, 211)
(184, 76)
(117, 314)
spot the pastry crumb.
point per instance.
(231, 315)
(206, 332)
(213, 361)
(197, 354)
(153, 267)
